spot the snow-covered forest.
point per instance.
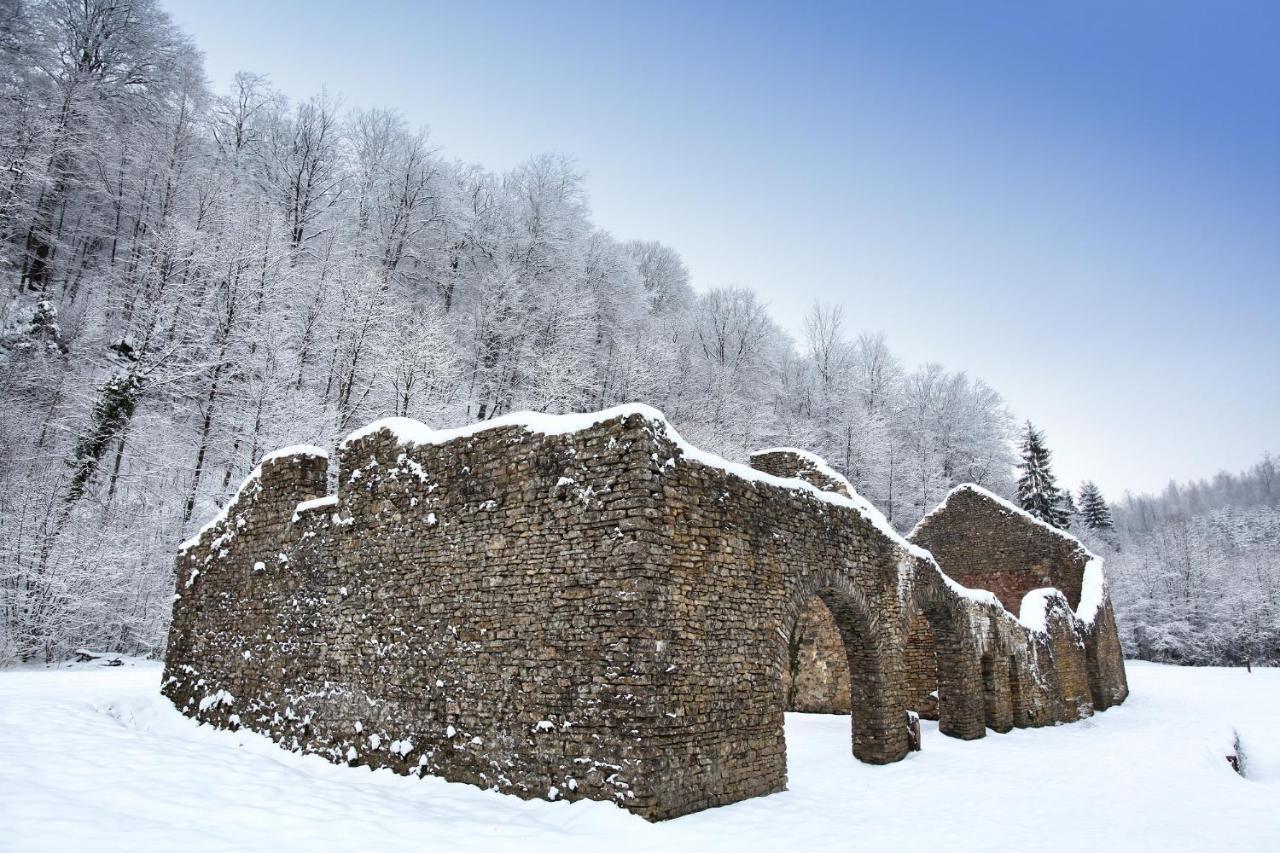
(193, 278)
(1195, 571)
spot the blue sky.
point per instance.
(1078, 202)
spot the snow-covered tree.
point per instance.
(189, 279)
(1070, 512)
(1195, 571)
(1094, 511)
(1038, 491)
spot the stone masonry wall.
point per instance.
(745, 555)
(581, 607)
(790, 462)
(981, 541)
(922, 669)
(817, 681)
(481, 610)
(1058, 675)
(1105, 660)
(985, 545)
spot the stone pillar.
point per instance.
(961, 711)
(922, 669)
(1107, 683)
(878, 694)
(996, 691)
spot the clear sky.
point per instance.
(1078, 202)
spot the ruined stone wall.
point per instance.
(1060, 673)
(589, 608)
(1061, 657)
(1105, 660)
(580, 615)
(985, 544)
(981, 541)
(481, 610)
(922, 669)
(745, 557)
(790, 462)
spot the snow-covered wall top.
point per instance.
(411, 432)
(631, 590)
(974, 488)
(249, 484)
(814, 462)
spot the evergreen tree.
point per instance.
(1093, 509)
(1069, 510)
(1038, 491)
(111, 414)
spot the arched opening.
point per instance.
(949, 691)
(830, 625)
(816, 676)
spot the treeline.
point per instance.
(193, 278)
(1195, 571)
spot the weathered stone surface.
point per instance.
(982, 541)
(922, 669)
(600, 613)
(816, 679)
(1105, 660)
(790, 462)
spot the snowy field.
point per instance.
(92, 758)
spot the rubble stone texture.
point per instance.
(816, 679)
(594, 611)
(982, 542)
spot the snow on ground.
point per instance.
(92, 758)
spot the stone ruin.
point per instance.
(1046, 575)
(584, 606)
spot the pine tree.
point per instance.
(1038, 491)
(1069, 510)
(1093, 509)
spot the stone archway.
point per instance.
(879, 733)
(961, 704)
(816, 674)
